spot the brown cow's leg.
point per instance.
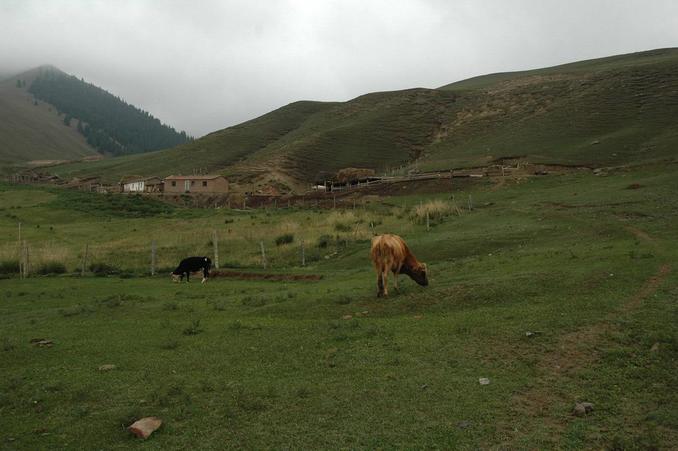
(396, 273)
(384, 276)
(380, 284)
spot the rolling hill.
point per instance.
(609, 111)
(48, 115)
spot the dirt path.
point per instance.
(641, 235)
(264, 276)
(574, 351)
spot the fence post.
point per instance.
(215, 244)
(153, 248)
(244, 202)
(84, 261)
(303, 254)
(22, 260)
(27, 262)
(263, 254)
(456, 208)
(334, 201)
(470, 203)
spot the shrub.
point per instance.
(9, 266)
(436, 209)
(324, 241)
(287, 238)
(103, 269)
(7, 344)
(170, 306)
(51, 268)
(169, 344)
(343, 300)
(193, 329)
(112, 301)
(74, 311)
(342, 227)
(252, 301)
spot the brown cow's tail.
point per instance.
(377, 251)
(381, 253)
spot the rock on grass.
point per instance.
(582, 408)
(144, 427)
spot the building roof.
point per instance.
(136, 178)
(193, 177)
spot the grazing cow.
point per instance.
(390, 253)
(192, 264)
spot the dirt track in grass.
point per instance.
(264, 276)
(574, 351)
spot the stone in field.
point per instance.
(42, 342)
(107, 367)
(145, 427)
(582, 408)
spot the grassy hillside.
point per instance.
(557, 289)
(610, 111)
(215, 151)
(34, 132)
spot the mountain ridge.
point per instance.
(50, 116)
(608, 111)
(21, 116)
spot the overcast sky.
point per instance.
(203, 65)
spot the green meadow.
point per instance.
(558, 289)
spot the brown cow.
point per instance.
(389, 252)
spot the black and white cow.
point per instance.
(192, 264)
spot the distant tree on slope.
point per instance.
(111, 125)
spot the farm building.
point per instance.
(196, 184)
(345, 179)
(85, 184)
(136, 184)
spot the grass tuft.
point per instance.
(193, 329)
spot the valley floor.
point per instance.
(558, 290)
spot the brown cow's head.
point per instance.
(176, 277)
(419, 274)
